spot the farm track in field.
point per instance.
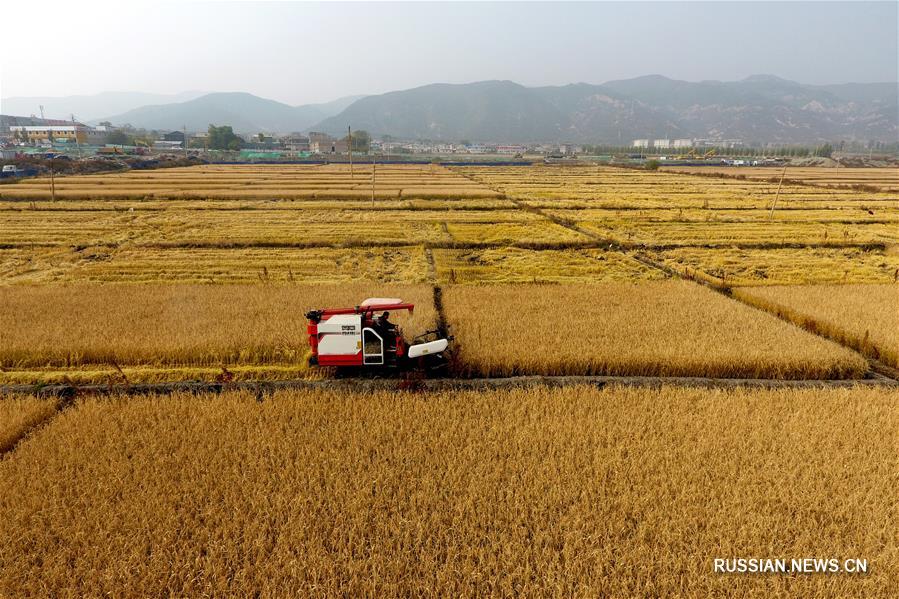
(262, 388)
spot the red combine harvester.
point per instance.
(358, 339)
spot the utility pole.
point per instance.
(184, 132)
(777, 195)
(373, 166)
(349, 145)
(52, 183)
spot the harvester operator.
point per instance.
(386, 328)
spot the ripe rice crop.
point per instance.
(518, 265)
(570, 492)
(732, 266)
(865, 317)
(181, 325)
(245, 265)
(18, 415)
(663, 328)
(25, 229)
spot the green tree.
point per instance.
(825, 151)
(223, 138)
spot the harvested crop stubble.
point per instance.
(762, 234)
(190, 325)
(663, 328)
(732, 266)
(545, 232)
(18, 415)
(574, 492)
(865, 317)
(885, 179)
(279, 181)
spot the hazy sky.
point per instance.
(311, 52)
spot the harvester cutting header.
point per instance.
(356, 339)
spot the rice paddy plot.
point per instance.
(865, 317)
(614, 492)
(299, 228)
(25, 229)
(884, 179)
(712, 233)
(254, 182)
(518, 265)
(661, 328)
(785, 266)
(253, 265)
(761, 218)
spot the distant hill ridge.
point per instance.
(245, 112)
(760, 108)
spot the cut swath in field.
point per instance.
(665, 328)
(865, 317)
(452, 494)
(179, 325)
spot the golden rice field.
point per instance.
(865, 317)
(230, 228)
(885, 179)
(571, 492)
(666, 328)
(176, 325)
(259, 182)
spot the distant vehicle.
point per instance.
(11, 170)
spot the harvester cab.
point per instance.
(362, 338)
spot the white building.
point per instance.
(661, 143)
(510, 149)
(683, 143)
(641, 143)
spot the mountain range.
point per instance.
(761, 108)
